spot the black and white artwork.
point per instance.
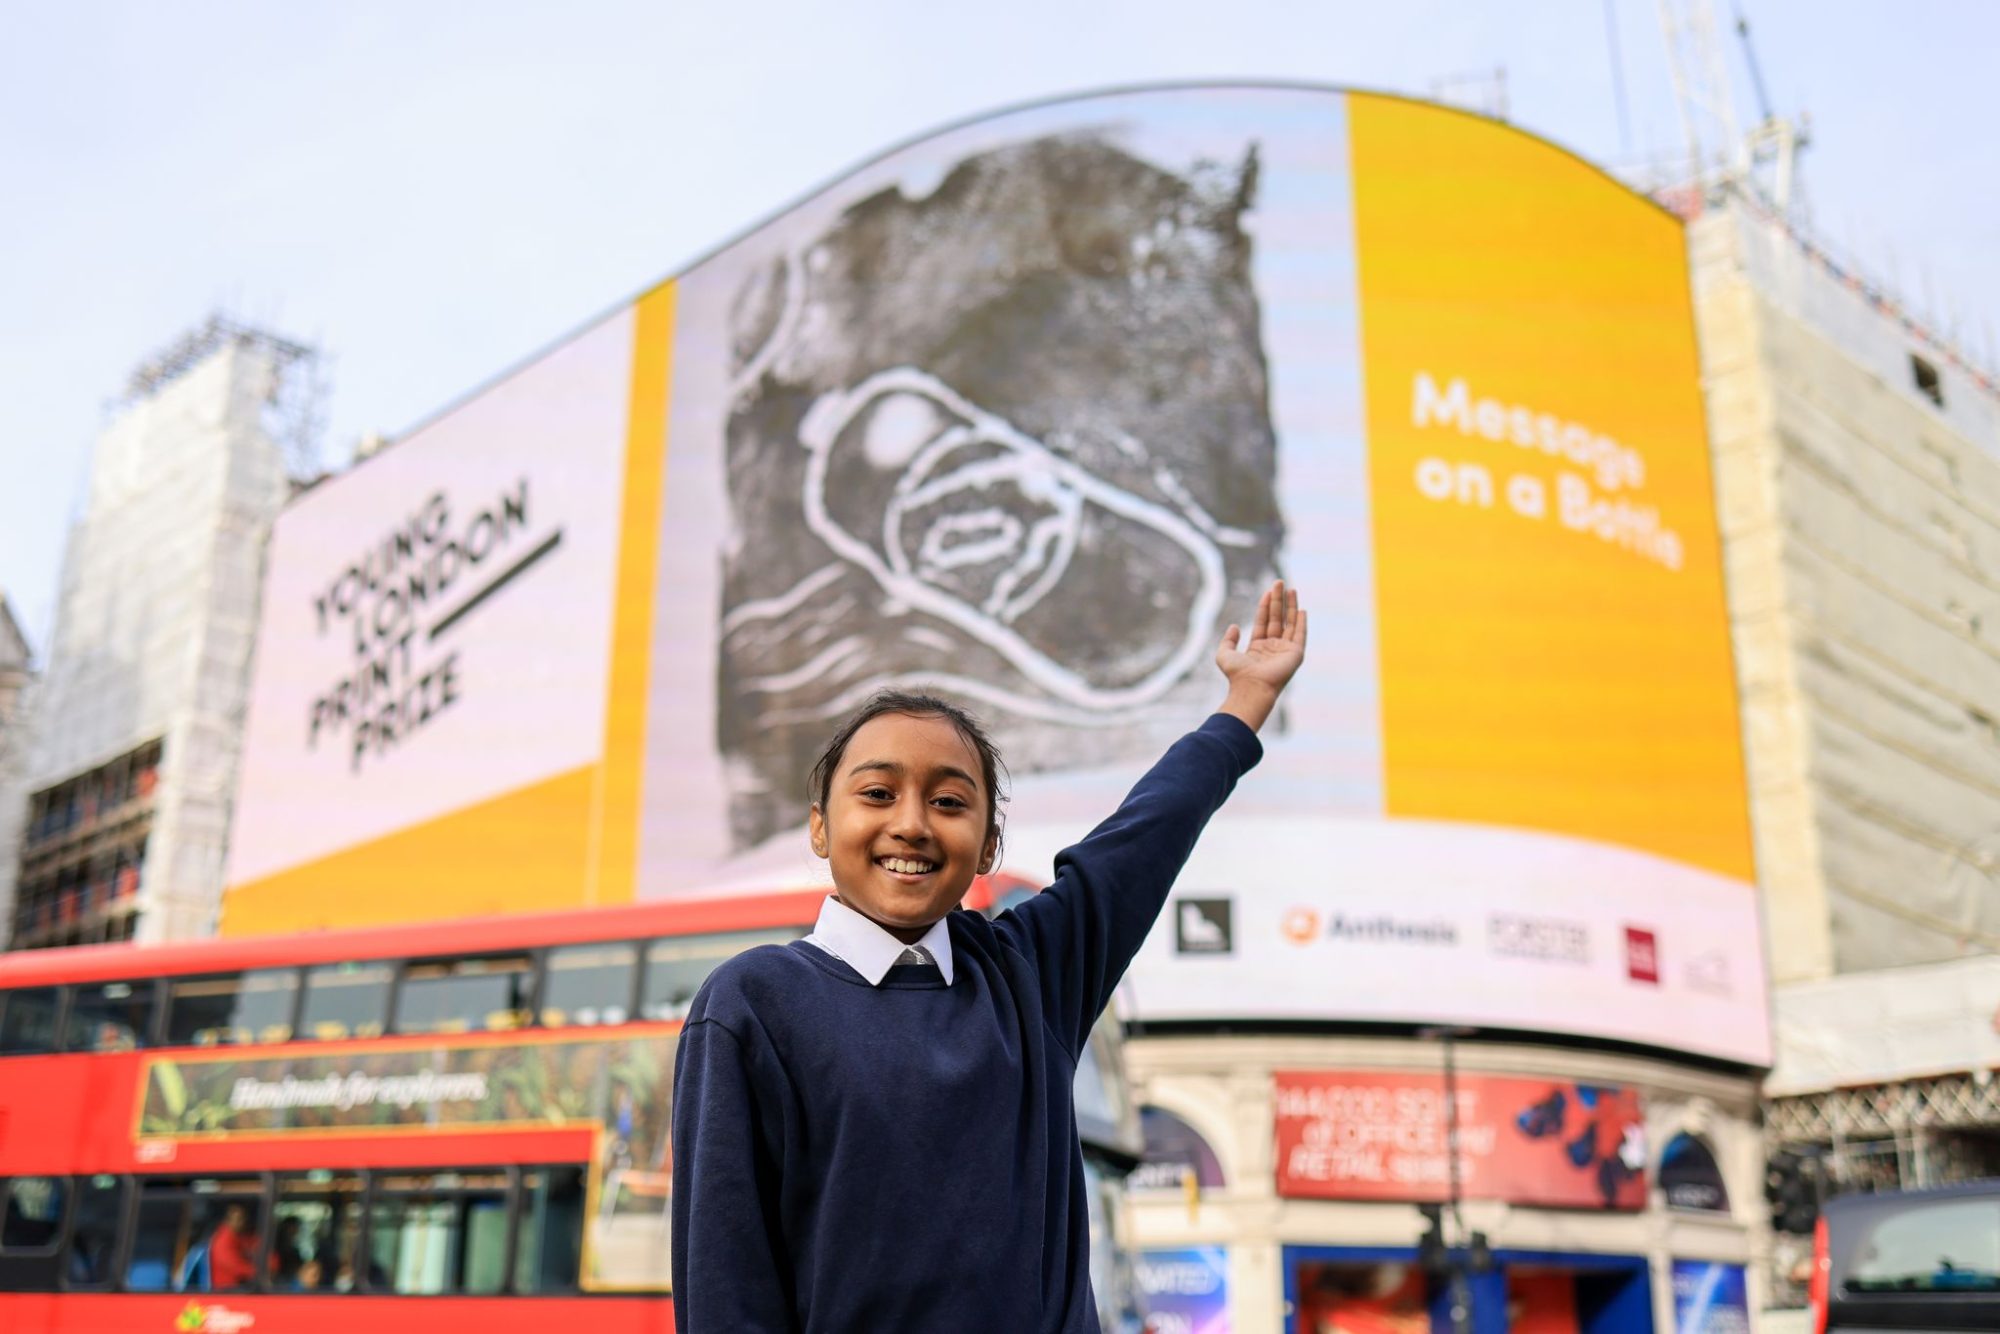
(1010, 438)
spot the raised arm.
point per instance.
(1108, 889)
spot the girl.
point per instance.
(872, 1126)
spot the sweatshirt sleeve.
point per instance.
(1085, 927)
(730, 1275)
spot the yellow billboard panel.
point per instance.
(1554, 645)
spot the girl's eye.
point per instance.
(951, 803)
(874, 793)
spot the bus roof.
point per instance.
(476, 935)
(461, 936)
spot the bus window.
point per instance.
(31, 1232)
(676, 967)
(316, 1224)
(548, 1254)
(33, 1217)
(93, 1235)
(28, 1020)
(630, 1229)
(345, 1000)
(465, 995)
(246, 1007)
(195, 1235)
(588, 984)
(109, 1016)
(446, 1232)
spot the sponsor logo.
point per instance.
(1203, 926)
(1302, 926)
(1385, 930)
(1708, 972)
(1543, 939)
(212, 1319)
(1696, 1195)
(393, 600)
(1642, 955)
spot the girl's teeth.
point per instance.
(902, 867)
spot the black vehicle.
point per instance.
(1918, 1261)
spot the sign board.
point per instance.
(1185, 1291)
(1381, 1135)
(1111, 362)
(1710, 1298)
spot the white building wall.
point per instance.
(158, 611)
(1861, 524)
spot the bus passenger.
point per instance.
(230, 1249)
(286, 1253)
(873, 1127)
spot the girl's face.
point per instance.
(904, 828)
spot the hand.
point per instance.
(1259, 669)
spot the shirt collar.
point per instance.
(867, 948)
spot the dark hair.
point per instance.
(992, 771)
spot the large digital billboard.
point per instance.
(1112, 362)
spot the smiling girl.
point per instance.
(873, 1130)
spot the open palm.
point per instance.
(1276, 646)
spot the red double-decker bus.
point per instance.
(459, 1124)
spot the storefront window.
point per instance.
(1689, 1177)
(1175, 1151)
(1335, 1297)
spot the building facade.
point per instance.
(16, 676)
(1858, 487)
(131, 762)
(1594, 1178)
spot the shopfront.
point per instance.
(1291, 1181)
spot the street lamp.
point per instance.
(1438, 1254)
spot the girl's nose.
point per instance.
(912, 819)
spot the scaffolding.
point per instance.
(131, 766)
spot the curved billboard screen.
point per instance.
(1029, 410)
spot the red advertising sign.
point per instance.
(1380, 1135)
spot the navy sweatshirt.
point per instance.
(903, 1159)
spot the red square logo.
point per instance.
(1642, 955)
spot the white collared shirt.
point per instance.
(867, 948)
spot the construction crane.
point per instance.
(1765, 159)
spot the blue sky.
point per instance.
(433, 191)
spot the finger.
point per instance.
(1298, 631)
(1229, 638)
(1268, 609)
(1291, 611)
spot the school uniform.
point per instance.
(864, 1145)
